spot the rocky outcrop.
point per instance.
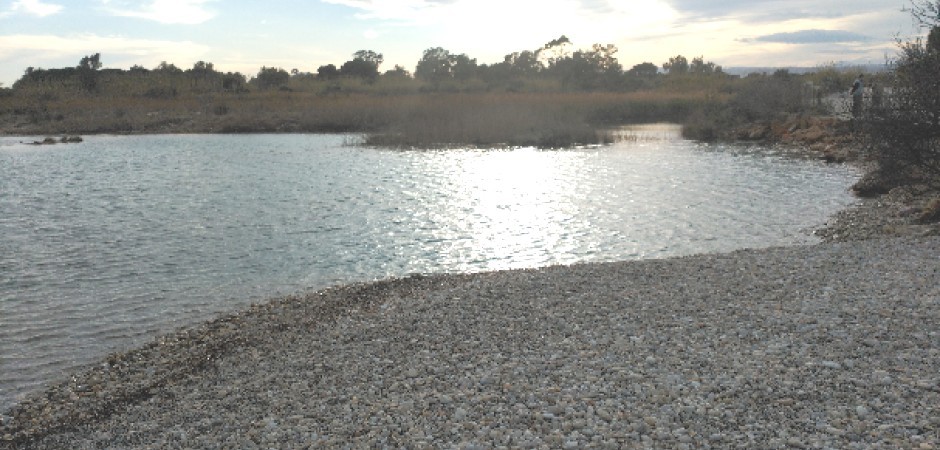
(827, 138)
(62, 140)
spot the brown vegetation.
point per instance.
(398, 119)
(523, 101)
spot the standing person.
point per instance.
(858, 88)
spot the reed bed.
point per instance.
(544, 119)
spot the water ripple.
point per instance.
(107, 243)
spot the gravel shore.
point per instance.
(835, 345)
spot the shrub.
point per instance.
(930, 213)
(902, 133)
(765, 97)
(161, 92)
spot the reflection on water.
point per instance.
(512, 209)
(657, 132)
(107, 243)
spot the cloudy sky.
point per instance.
(244, 35)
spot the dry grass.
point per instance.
(542, 119)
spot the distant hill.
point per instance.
(744, 70)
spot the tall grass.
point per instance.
(523, 119)
(410, 119)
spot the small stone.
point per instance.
(861, 411)
(794, 442)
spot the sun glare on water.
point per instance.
(516, 205)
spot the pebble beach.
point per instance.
(827, 346)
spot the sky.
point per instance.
(245, 35)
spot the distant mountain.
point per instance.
(743, 70)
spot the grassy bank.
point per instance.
(406, 111)
(547, 119)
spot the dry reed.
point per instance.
(542, 119)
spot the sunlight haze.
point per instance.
(242, 36)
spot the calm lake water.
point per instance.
(108, 243)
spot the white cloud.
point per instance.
(182, 12)
(721, 30)
(489, 29)
(68, 44)
(485, 15)
(35, 8)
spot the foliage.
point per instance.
(903, 134)
(588, 69)
(762, 97)
(557, 92)
(88, 71)
(437, 65)
(699, 66)
(365, 64)
(398, 72)
(327, 72)
(509, 119)
(829, 79)
(167, 68)
(270, 78)
(677, 65)
(646, 69)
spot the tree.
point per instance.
(88, 71)
(365, 64)
(525, 63)
(761, 97)
(436, 65)
(398, 72)
(646, 69)
(933, 39)
(91, 62)
(271, 77)
(700, 67)
(677, 65)
(233, 82)
(168, 68)
(327, 72)
(925, 12)
(554, 50)
(358, 68)
(903, 134)
(463, 67)
(369, 56)
(202, 71)
(588, 69)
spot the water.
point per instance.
(105, 244)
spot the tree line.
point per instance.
(596, 68)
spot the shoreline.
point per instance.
(664, 353)
(202, 371)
